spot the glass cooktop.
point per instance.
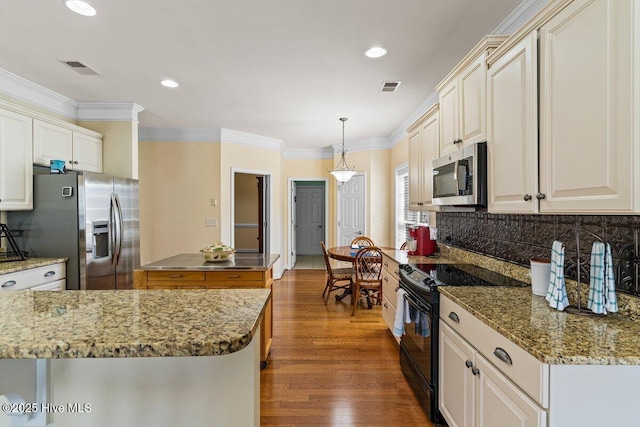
(466, 275)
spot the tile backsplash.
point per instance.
(518, 238)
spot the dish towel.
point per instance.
(402, 313)
(602, 290)
(557, 292)
(422, 324)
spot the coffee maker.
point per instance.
(425, 245)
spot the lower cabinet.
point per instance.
(475, 393)
(390, 278)
(47, 278)
(221, 279)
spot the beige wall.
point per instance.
(246, 211)
(177, 182)
(119, 147)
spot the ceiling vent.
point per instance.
(390, 86)
(79, 67)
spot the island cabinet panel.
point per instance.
(218, 279)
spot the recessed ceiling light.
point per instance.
(81, 7)
(376, 52)
(169, 83)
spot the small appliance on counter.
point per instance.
(425, 243)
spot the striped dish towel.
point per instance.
(602, 291)
(402, 313)
(557, 292)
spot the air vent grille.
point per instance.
(390, 86)
(81, 68)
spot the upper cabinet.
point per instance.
(81, 150)
(16, 169)
(424, 136)
(462, 98)
(581, 154)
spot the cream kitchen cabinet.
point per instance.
(462, 98)
(584, 157)
(512, 128)
(47, 278)
(424, 136)
(473, 392)
(81, 150)
(390, 283)
(16, 168)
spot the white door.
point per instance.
(309, 217)
(352, 210)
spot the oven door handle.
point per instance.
(417, 304)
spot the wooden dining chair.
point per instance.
(362, 241)
(403, 247)
(335, 276)
(368, 273)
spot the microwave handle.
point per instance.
(455, 175)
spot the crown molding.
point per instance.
(308, 153)
(367, 144)
(401, 131)
(519, 16)
(250, 140)
(39, 96)
(179, 134)
(109, 112)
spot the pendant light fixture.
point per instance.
(342, 172)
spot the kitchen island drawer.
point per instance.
(226, 277)
(529, 373)
(175, 276)
(26, 279)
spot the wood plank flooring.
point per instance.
(330, 368)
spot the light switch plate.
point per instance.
(212, 222)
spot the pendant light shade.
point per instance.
(342, 172)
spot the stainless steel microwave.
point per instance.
(460, 179)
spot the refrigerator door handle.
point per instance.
(118, 224)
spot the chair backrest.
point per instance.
(362, 241)
(326, 257)
(368, 264)
(403, 246)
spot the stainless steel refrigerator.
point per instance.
(90, 218)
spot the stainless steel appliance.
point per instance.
(419, 345)
(90, 218)
(460, 179)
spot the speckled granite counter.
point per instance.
(15, 266)
(552, 336)
(113, 324)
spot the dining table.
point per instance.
(347, 254)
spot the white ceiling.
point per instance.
(285, 69)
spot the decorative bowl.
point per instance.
(218, 252)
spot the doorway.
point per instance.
(250, 216)
(351, 209)
(308, 212)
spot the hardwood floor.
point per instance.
(330, 368)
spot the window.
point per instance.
(404, 216)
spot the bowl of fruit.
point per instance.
(218, 252)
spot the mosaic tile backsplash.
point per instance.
(518, 238)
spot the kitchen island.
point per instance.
(132, 358)
(192, 271)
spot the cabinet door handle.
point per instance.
(235, 276)
(502, 354)
(9, 284)
(75, 162)
(386, 279)
(175, 276)
(386, 305)
(386, 264)
(468, 363)
(71, 161)
(49, 273)
(541, 196)
(527, 197)
(475, 371)
(453, 316)
(397, 288)
(397, 272)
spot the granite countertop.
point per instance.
(29, 263)
(242, 261)
(553, 337)
(149, 323)
(402, 257)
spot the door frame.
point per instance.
(366, 205)
(268, 214)
(290, 183)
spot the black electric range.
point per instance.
(419, 344)
(424, 278)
